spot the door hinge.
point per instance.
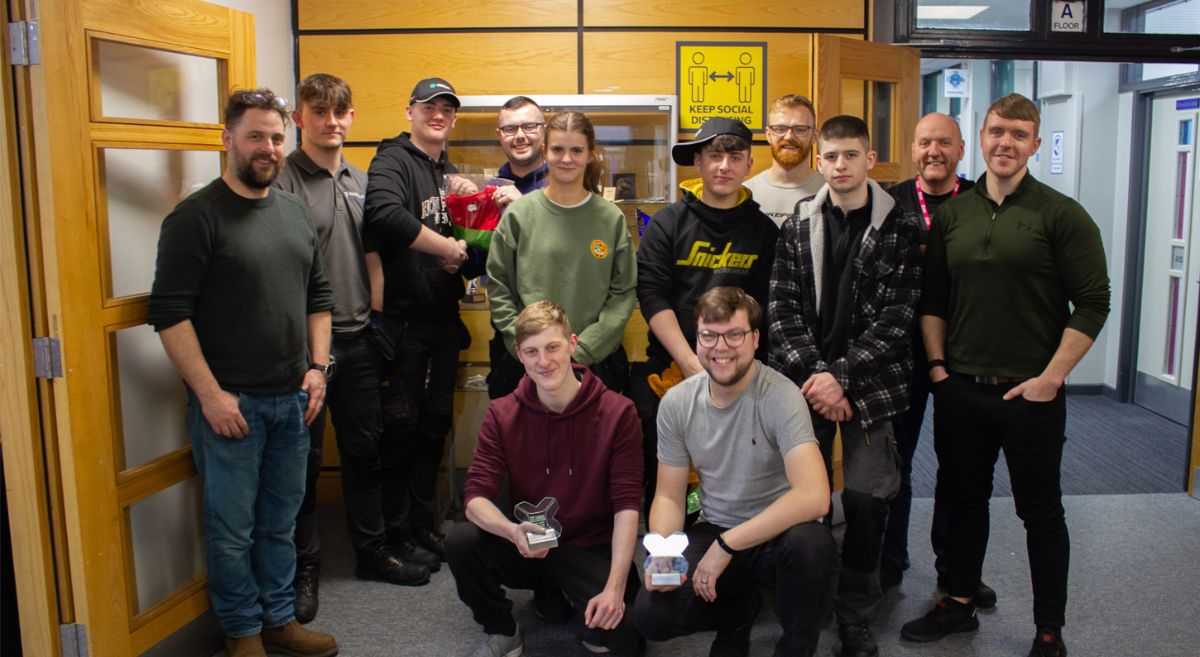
(47, 358)
(24, 43)
(74, 640)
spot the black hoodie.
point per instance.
(404, 192)
(690, 247)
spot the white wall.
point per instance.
(275, 67)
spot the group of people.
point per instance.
(783, 310)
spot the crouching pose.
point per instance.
(747, 430)
(560, 435)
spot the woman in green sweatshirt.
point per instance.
(567, 244)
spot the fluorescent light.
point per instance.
(949, 12)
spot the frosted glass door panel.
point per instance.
(142, 186)
(146, 83)
(153, 401)
(168, 547)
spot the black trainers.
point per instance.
(1048, 643)
(306, 585)
(551, 605)
(857, 641)
(948, 617)
(734, 641)
(384, 566)
(985, 597)
(430, 540)
(408, 550)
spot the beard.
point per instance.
(253, 178)
(789, 159)
(736, 377)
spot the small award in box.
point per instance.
(542, 514)
(666, 564)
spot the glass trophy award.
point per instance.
(542, 514)
(666, 564)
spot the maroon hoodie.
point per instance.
(589, 457)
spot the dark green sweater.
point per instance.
(246, 273)
(1009, 278)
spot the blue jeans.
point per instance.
(252, 491)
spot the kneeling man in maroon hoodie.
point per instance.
(560, 435)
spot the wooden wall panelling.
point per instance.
(382, 69)
(644, 62)
(433, 14)
(199, 25)
(837, 14)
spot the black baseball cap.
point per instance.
(685, 154)
(430, 88)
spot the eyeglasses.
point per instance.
(733, 338)
(527, 128)
(253, 98)
(781, 130)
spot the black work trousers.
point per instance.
(801, 564)
(972, 423)
(352, 398)
(482, 563)
(418, 403)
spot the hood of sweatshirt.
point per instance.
(716, 217)
(559, 431)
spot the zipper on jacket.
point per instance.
(987, 240)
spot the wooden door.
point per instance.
(124, 121)
(877, 83)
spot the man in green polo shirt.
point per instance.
(1016, 290)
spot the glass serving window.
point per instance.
(633, 134)
(1005, 15)
(1152, 17)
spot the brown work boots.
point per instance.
(290, 639)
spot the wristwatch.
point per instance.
(326, 369)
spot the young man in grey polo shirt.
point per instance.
(746, 429)
(334, 190)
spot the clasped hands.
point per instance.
(827, 397)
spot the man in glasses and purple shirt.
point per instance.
(791, 131)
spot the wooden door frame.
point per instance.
(836, 58)
(30, 512)
(88, 493)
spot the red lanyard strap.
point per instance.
(921, 200)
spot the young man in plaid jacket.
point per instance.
(844, 290)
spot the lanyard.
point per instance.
(921, 200)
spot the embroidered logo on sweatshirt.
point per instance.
(707, 256)
(599, 249)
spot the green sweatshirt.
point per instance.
(1005, 278)
(580, 258)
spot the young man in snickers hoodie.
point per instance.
(715, 236)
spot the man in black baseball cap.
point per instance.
(716, 235)
(430, 88)
(684, 153)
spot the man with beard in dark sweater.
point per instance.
(715, 236)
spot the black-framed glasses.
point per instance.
(527, 128)
(780, 130)
(733, 338)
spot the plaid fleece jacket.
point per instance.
(877, 367)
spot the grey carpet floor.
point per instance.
(1111, 448)
(1134, 578)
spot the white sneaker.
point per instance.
(501, 645)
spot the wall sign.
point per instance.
(720, 79)
(956, 83)
(1057, 142)
(1067, 16)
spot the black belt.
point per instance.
(997, 380)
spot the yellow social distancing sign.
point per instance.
(720, 79)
